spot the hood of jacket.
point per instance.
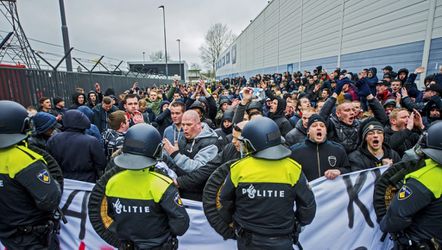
(228, 115)
(75, 120)
(374, 70)
(300, 127)
(162, 104)
(279, 109)
(75, 98)
(87, 111)
(206, 132)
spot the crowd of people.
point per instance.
(360, 120)
(333, 123)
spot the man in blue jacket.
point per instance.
(80, 156)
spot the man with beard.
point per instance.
(317, 155)
(277, 108)
(404, 130)
(373, 152)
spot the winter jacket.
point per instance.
(278, 116)
(100, 117)
(154, 106)
(347, 135)
(163, 120)
(296, 135)
(363, 159)
(373, 81)
(93, 130)
(401, 140)
(192, 155)
(224, 134)
(75, 104)
(316, 158)
(80, 156)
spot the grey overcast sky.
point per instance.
(124, 29)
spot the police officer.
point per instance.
(260, 191)
(414, 217)
(145, 204)
(28, 194)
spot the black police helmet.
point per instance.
(141, 148)
(14, 122)
(433, 145)
(262, 138)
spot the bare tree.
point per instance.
(195, 66)
(158, 56)
(218, 37)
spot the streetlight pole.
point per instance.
(64, 31)
(165, 43)
(144, 58)
(179, 56)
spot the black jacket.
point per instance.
(296, 135)
(278, 116)
(148, 211)
(163, 120)
(28, 194)
(80, 156)
(315, 158)
(402, 140)
(363, 159)
(347, 135)
(259, 195)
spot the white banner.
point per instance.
(345, 218)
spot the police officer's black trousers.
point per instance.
(262, 242)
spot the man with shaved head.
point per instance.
(343, 125)
(191, 152)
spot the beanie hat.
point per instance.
(314, 118)
(43, 122)
(372, 125)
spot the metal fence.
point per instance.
(27, 86)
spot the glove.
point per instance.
(339, 85)
(364, 90)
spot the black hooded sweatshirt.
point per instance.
(284, 125)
